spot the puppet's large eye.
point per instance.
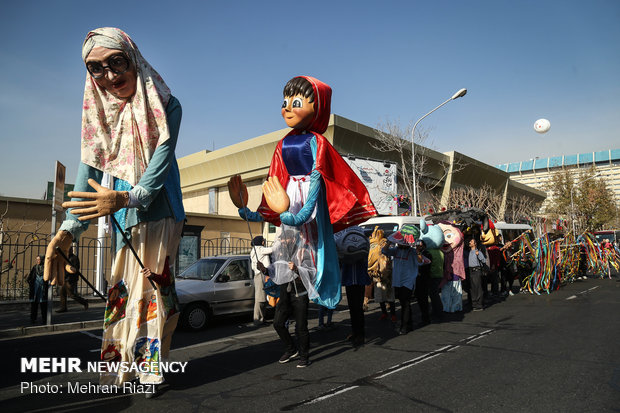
(285, 103)
(298, 103)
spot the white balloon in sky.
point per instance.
(542, 126)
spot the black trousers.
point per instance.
(34, 307)
(422, 291)
(494, 279)
(355, 298)
(425, 287)
(288, 305)
(68, 290)
(475, 287)
(436, 298)
(404, 296)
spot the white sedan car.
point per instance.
(215, 286)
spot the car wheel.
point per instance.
(196, 316)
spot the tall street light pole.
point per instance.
(414, 209)
(572, 205)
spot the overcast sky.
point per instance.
(227, 62)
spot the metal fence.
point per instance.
(19, 250)
(225, 246)
(89, 251)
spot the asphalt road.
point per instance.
(550, 353)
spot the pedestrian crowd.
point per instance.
(399, 267)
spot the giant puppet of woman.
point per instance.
(130, 126)
(310, 187)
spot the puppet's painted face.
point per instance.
(122, 85)
(452, 236)
(297, 112)
(489, 237)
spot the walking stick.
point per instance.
(62, 254)
(130, 247)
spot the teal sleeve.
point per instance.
(157, 171)
(306, 211)
(71, 223)
(252, 216)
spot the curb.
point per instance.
(25, 304)
(20, 332)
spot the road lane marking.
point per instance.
(318, 399)
(206, 343)
(225, 340)
(389, 371)
(572, 297)
(89, 334)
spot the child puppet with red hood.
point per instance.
(310, 187)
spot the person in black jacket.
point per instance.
(38, 290)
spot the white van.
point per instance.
(392, 223)
(510, 231)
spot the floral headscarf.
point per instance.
(119, 136)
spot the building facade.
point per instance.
(204, 176)
(537, 173)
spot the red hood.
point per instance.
(322, 104)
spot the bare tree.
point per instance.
(521, 208)
(20, 238)
(2, 219)
(391, 137)
(485, 198)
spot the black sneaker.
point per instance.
(303, 363)
(288, 356)
(358, 341)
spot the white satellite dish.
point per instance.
(542, 126)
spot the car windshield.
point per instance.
(388, 228)
(203, 269)
(605, 235)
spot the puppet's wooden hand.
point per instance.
(237, 191)
(98, 204)
(53, 269)
(275, 195)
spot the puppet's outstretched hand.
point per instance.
(275, 195)
(238, 191)
(53, 269)
(98, 204)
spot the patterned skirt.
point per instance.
(139, 321)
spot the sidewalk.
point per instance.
(15, 318)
